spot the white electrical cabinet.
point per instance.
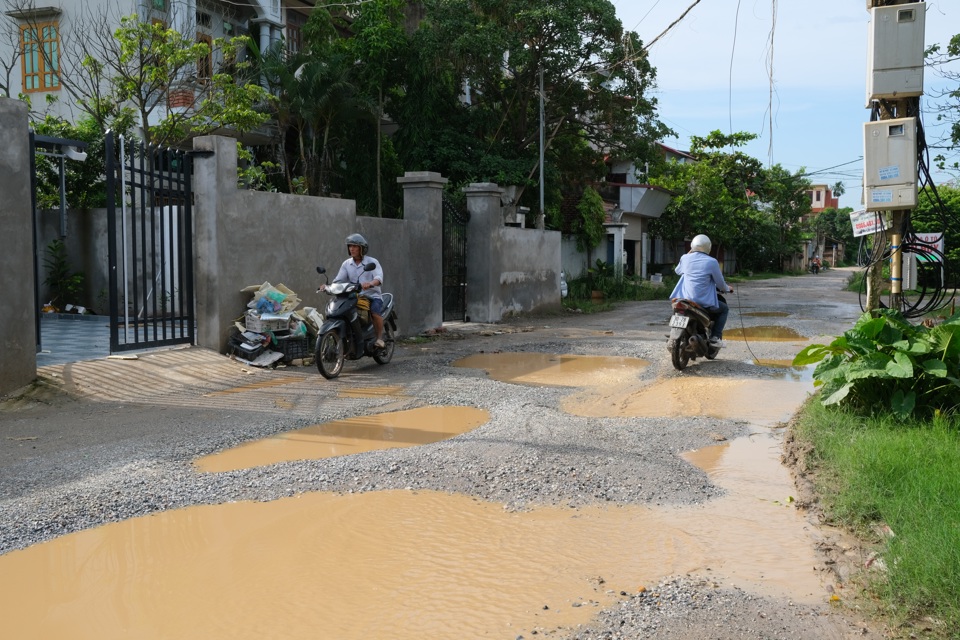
(890, 164)
(895, 51)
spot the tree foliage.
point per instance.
(588, 226)
(832, 226)
(136, 71)
(946, 103)
(471, 107)
(85, 183)
(941, 214)
(729, 196)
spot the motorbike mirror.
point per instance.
(321, 270)
(370, 267)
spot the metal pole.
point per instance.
(542, 214)
(63, 199)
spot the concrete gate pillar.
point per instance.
(423, 227)
(617, 230)
(17, 279)
(483, 252)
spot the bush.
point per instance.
(884, 363)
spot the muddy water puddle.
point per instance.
(403, 564)
(761, 402)
(545, 369)
(770, 333)
(786, 370)
(352, 435)
(766, 314)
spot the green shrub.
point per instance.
(65, 285)
(884, 363)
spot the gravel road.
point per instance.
(108, 440)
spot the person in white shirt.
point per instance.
(700, 280)
(353, 270)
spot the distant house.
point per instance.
(821, 197)
(47, 52)
(631, 204)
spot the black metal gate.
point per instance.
(150, 228)
(455, 220)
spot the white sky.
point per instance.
(712, 73)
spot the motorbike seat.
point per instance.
(689, 305)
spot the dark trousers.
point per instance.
(719, 315)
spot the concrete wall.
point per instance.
(249, 237)
(18, 336)
(86, 245)
(509, 270)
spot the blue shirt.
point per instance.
(700, 279)
(351, 271)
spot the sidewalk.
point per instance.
(66, 338)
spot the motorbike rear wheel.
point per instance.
(678, 353)
(330, 355)
(383, 356)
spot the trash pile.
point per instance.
(273, 329)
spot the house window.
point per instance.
(818, 195)
(205, 64)
(160, 5)
(40, 57)
(295, 23)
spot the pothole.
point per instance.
(544, 369)
(352, 435)
(770, 333)
(404, 564)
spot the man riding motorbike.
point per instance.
(700, 280)
(352, 270)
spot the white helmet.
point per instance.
(700, 243)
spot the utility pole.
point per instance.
(895, 83)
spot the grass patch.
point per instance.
(905, 475)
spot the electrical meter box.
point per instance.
(890, 164)
(895, 51)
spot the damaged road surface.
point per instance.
(549, 476)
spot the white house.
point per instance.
(45, 40)
(629, 241)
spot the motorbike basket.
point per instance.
(363, 308)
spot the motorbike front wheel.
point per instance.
(330, 355)
(678, 354)
(383, 356)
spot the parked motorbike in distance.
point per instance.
(344, 335)
(690, 333)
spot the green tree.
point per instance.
(833, 226)
(378, 43)
(941, 214)
(732, 198)
(941, 60)
(712, 195)
(126, 77)
(85, 182)
(474, 76)
(783, 197)
(588, 226)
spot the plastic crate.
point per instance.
(254, 322)
(293, 347)
(247, 351)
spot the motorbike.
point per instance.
(345, 334)
(690, 333)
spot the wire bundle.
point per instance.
(931, 292)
